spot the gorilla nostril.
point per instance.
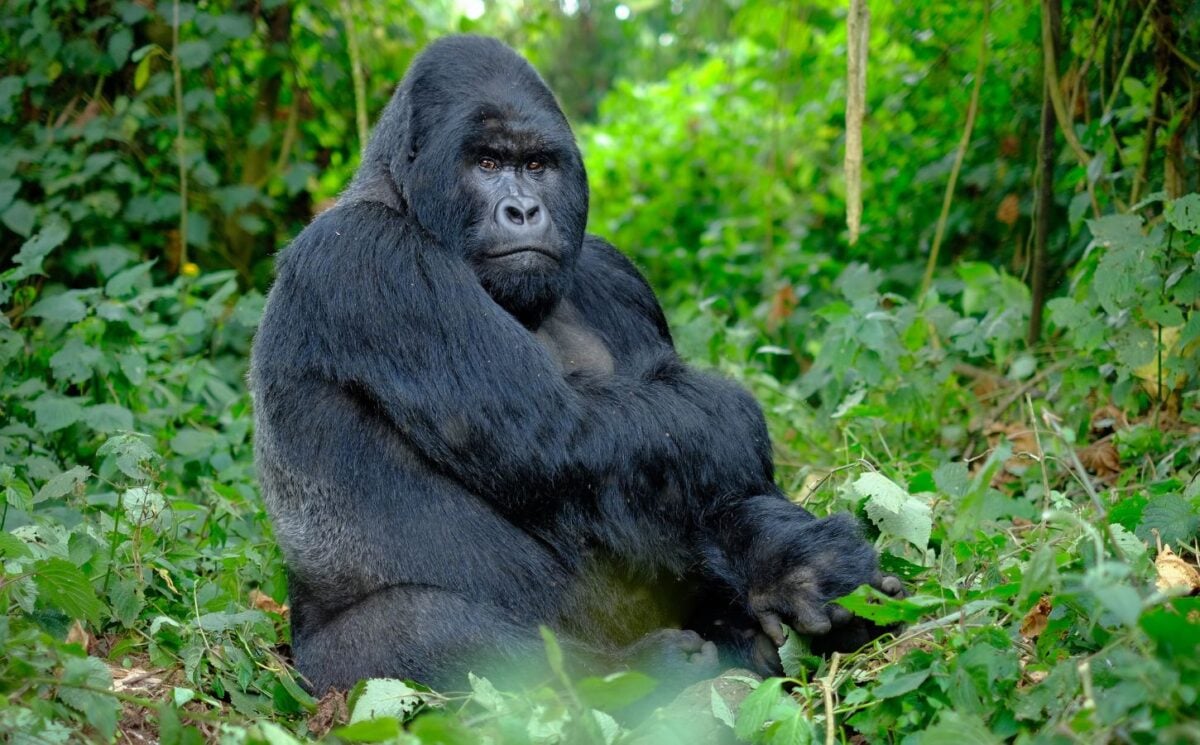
(534, 215)
(514, 215)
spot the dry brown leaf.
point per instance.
(331, 711)
(1036, 619)
(1175, 575)
(1101, 458)
(1009, 210)
(783, 304)
(265, 602)
(77, 634)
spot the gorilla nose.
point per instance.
(521, 215)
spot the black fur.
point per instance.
(455, 451)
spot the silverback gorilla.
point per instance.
(471, 421)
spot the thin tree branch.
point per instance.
(960, 155)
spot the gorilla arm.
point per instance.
(407, 328)
(786, 564)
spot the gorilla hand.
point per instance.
(799, 600)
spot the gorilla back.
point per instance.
(470, 420)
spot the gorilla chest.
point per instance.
(575, 346)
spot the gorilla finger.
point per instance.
(810, 619)
(707, 654)
(892, 585)
(839, 616)
(772, 626)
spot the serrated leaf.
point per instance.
(899, 684)
(384, 697)
(36, 249)
(766, 703)
(894, 511)
(54, 412)
(107, 418)
(193, 54)
(1173, 517)
(953, 479)
(370, 730)
(192, 442)
(62, 484)
(955, 728)
(131, 453)
(75, 361)
(65, 307)
(62, 585)
(98, 709)
(1184, 213)
(615, 691)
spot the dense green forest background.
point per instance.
(999, 372)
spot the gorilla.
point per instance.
(471, 422)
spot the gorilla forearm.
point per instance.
(454, 394)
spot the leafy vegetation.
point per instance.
(1036, 487)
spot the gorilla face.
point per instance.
(475, 146)
(511, 176)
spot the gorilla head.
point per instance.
(474, 144)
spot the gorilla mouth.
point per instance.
(508, 251)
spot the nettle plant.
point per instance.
(1131, 311)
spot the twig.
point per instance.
(177, 74)
(1052, 89)
(356, 73)
(972, 109)
(858, 35)
(1116, 84)
(827, 687)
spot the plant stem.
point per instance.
(960, 154)
(180, 131)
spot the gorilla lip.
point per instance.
(517, 250)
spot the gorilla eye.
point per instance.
(534, 165)
(488, 164)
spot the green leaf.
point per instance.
(898, 684)
(894, 511)
(193, 54)
(65, 307)
(794, 729)
(54, 412)
(107, 418)
(871, 604)
(720, 707)
(955, 728)
(131, 453)
(383, 697)
(63, 483)
(273, 734)
(484, 693)
(191, 443)
(62, 585)
(615, 691)
(98, 709)
(370, 730)
(1184, 213)
(119, 45)
(440, 729)
(36, 249)
(19, 217)
(75, 361)
(1173, 517)
(953, 479)
(767, 703)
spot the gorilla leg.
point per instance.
(411, 631)
(437, 636)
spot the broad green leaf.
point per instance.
(767, 703)
(107, 418)
(192, 442)
(893, 685)
(1173, 517)
(54, 412)
(369, 730)
(871, 604)
(65, 307)
(131, 453)
(1184, 213)
(955, 728)
(119, 45)
(484, 693)
(75, 361)
(62, 585)
(615, 691)
(953, 479)
(383, 697)
(193, 54)
(273, 734)
(36, 249)
(63, 483)
(19, 217)
(720, 707)
(894, 511)
(100, 710)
